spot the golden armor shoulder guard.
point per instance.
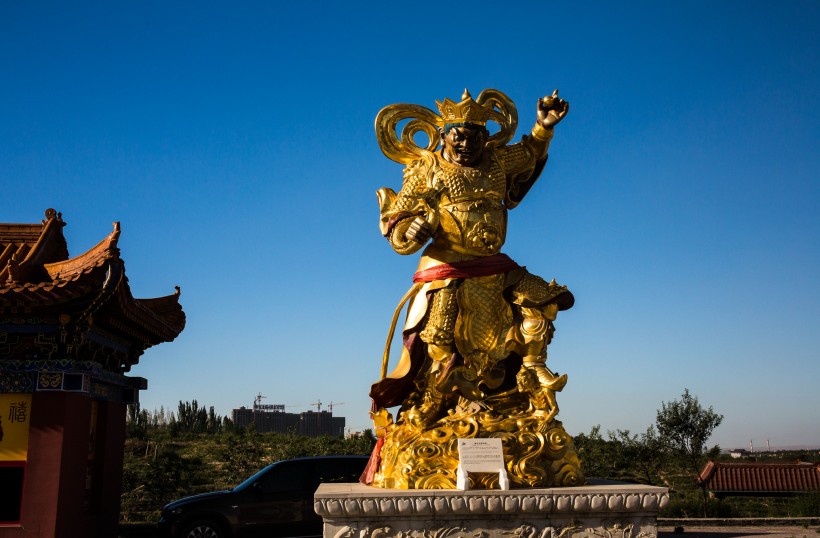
(416, 190)
(516, 158)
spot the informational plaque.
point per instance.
(483, 455)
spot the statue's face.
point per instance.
(464, 145)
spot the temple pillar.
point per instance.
(55, 469)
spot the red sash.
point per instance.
(489, 265)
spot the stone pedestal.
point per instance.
(599, 509)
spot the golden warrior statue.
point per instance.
(478, 324)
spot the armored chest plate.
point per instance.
(473, 218)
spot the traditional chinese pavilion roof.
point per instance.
(87, 296)
(25, 248)
(760, 477)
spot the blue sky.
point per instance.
(235, 144)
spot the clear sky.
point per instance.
(234, 141)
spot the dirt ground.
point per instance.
(741, 532)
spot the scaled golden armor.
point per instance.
(478, 324)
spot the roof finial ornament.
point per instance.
(115, 234)
(51, 214)
(12, 266)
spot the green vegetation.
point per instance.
(686, 426)
(673, 452)
(171, 455)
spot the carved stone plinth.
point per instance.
(601, 509)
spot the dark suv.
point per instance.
(276, 501)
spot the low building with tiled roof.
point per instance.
(723, 479)
(70, 331)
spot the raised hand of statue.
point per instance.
(551, 110)
(419, 231)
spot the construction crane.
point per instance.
(331, 404)
(256, 403)
(318, 405)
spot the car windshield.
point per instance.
(247, 482)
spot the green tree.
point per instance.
(596, 453)
(622, 455)
(686, 426)
(136, 421)
(243, 454)
(642, 457)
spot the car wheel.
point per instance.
(203, 529)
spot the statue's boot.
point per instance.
(547, 379)
(428, 411)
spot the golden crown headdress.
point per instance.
(491, 105)
(467, 111)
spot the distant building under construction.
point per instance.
(273, 418)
